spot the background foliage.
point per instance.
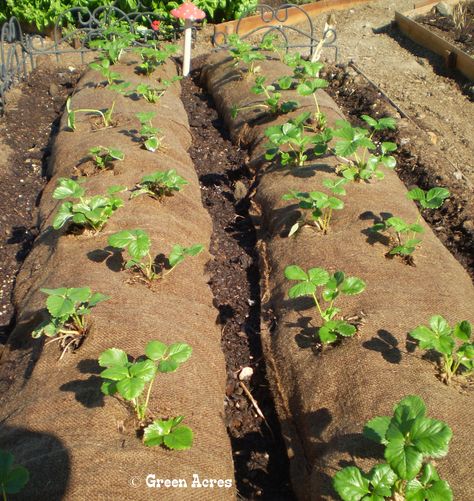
(43, 13)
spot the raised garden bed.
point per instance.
(456, 27)
(277, 17)
(413, 24)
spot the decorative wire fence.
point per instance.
(77, 27)
(265, 20)
(73, 32)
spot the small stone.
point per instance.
(444, 9)
(246, 373)
(433, 137)
(458, 175)
(240, 191)
(468, 225)
(53, 90)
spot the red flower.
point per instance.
(155, 25)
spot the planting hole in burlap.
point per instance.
(54, 418)
(325, 400)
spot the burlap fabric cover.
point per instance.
(53, 416)
(324, 400)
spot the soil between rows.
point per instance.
(258, 449)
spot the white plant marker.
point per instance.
(189, 12)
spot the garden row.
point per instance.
(329, 202)
(75, 408)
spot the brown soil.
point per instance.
(259, 452)
(444, 27)
(31, 119)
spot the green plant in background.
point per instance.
(68, 308)
(12, 477)
(355, 144)
(151, 139)
(330, 288)
(320, 205)
(153, 57)
(86, 212)
(409, 437)
(43, 13)
(272, 99)
(130, 379)
(138, 244)
(443, 339)
(405, 239)
(159, 184)
(154, 94)
(106, 115)
(291, 143)
(169, 432)
(103, 156)
(243, 52)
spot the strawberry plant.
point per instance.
(354, 146)
(106, 115)
(272, 99)
(87, 212)
(268, 43)
(431, 199)
(159, 184)
(318, 204)
(153, 57)
(129, 379)
(154, 94)
(307, 74)
(169, 432)
(243, 52)
(12, 477)
(67, 309)
(103, 157)
(291, 136)
(116, 39)
(332, 287)
(121, 88)
(405, 242)
(137, 243)
(151, 139)
(409, 437)
(103, 67)
(443, 339)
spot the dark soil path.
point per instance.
(31, 119)
(259, 454)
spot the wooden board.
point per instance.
(295, 16)
(453, 56)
